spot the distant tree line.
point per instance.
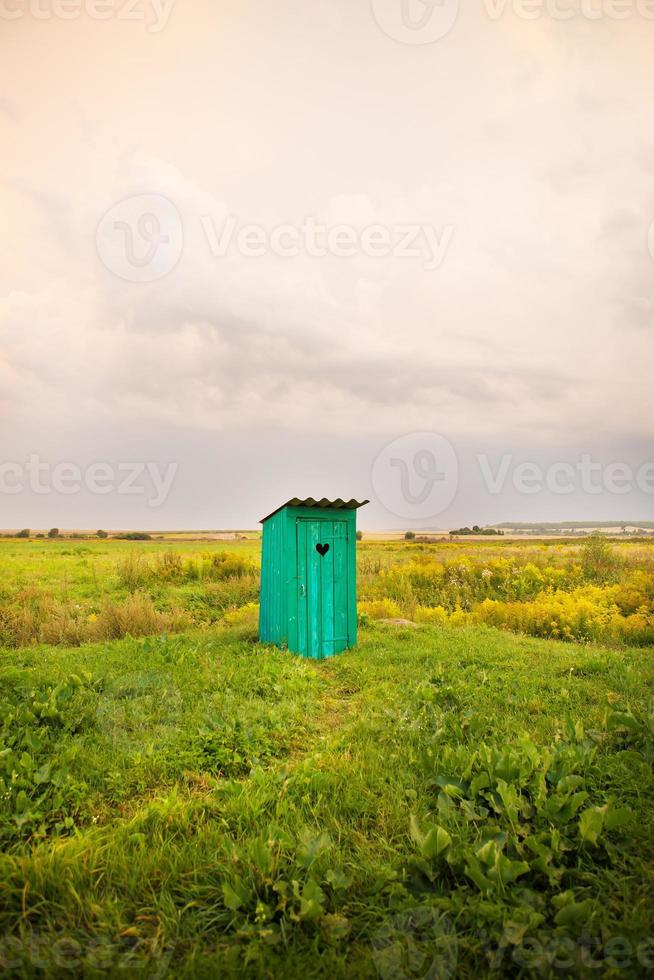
(475, 529)
(54, 533)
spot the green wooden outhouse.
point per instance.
(308, 576)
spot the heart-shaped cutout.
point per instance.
(322, 549)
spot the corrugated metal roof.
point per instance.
(337, 504)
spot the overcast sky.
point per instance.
(449, 256)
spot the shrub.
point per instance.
(247, 615)
(33, 617)
(245, 620)
(223, 564)
(432, 615)
(636, 594)
(379, 609)
(136, 616)
(599, 562)
(134, 570)
(636, 630)
(410, 536)
(169, 566)
(36, 617)
(587, 614)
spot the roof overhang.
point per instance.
(323, 504)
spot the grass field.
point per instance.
(468, 792)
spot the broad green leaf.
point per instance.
(505, 870)
(474, 872)
(230, 898)
(21, 803)
(478, 783)
(561, 810)
(613, 819)
(514, 932)
(336, 926)
(568, 783)
(564, 898)
(311, 847)
(262, 856)
(590, 824)
(487, 852)
(312, 901)
(337, 878)
(453, 790)
(621, 719)
(574, 914)
(436, 842)
(431, 844)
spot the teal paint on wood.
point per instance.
(308, 577)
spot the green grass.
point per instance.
(201, 805)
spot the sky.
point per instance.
(389, 249)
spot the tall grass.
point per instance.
(33, 617)
(590, 591)
(136, 570)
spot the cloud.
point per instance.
(237, 342)
(535, 329)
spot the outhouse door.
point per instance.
(323, 593)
